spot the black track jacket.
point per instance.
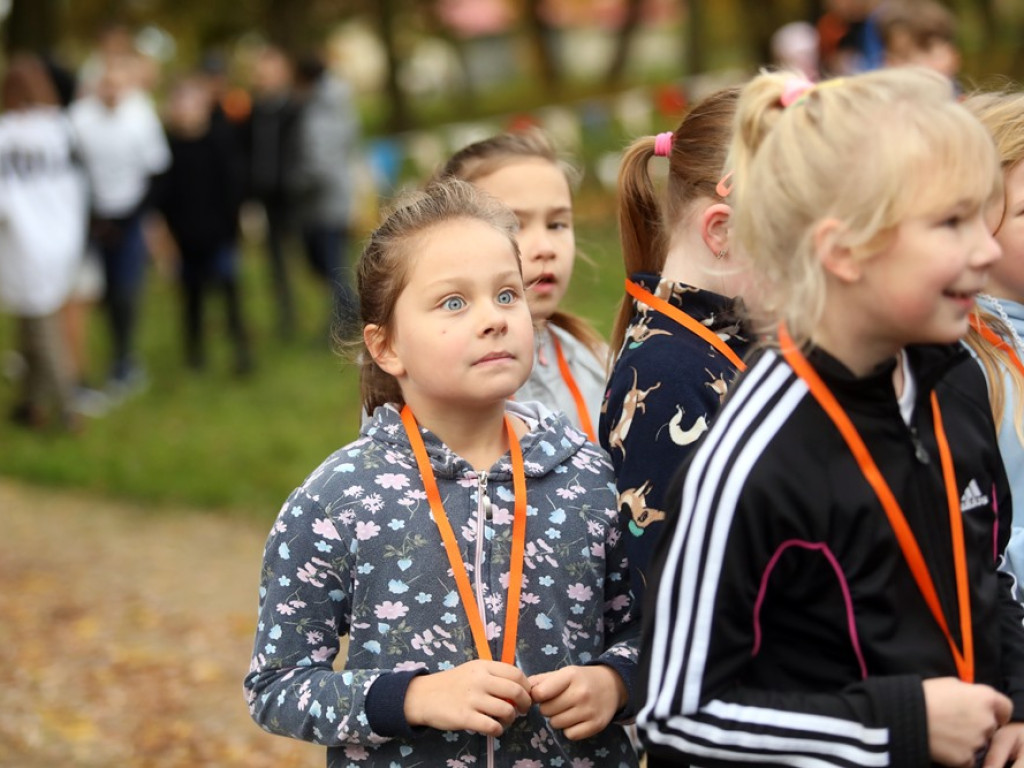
(784, 626)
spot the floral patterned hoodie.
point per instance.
(355, 552)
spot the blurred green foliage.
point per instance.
(211, 440)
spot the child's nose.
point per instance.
(988, 250)
(540, 246)
(495, 323)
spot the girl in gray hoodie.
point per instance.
(467, 546)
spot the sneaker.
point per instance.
(121, 388)
(91, 402)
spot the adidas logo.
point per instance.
(973, 497)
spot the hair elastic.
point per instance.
(797, 88)
(663, 144)
(794, 90)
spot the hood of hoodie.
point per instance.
(1010, 311)
(552, 440)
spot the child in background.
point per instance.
(1001, 308)
(524, 172)
(199, 197)
(919, 33)
(43, 214)
(679, 334)
(516, 649)
(823, 597)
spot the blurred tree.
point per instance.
(623, 42)
(32, 25)
(400, 117)
(541, 34)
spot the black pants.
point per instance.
(202, 273)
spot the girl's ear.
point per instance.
(837, 258)
(381, 350)
(714, 228)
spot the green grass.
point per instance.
(214, 441)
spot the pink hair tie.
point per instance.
(663, 144)
(795, 89)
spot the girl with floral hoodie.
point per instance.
(468, 546)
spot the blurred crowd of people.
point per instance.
(108, 169)
(105, 172)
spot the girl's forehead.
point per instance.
(525, 177)
(460, 245)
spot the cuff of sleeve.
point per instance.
(385, 704)
(627, 671)
(900, 698)
(1017, 697)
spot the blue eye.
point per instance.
(507, 296)
(453, 303)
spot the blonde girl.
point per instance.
(824, 596)
(681, 333)
(998, 329)
(468, 546)
(524, 171)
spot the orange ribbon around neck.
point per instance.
(904, 535)
(644, 296)
(996, 341)
(515, 578)
(570, 381)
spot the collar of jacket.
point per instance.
(552, 442)
(928, 362)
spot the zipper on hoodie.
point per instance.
(485, 513)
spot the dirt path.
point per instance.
(124, 637)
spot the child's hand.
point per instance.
(580, 701)
(1007, 745)
(962, 718)
(481, 696)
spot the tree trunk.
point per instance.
(760, 24)
(623, 43)
(31, 26)
(540, 35)
(693, 45)
(283, 26)
(400, 118)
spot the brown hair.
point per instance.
(483, 158)
(695, 166)
(383, 268)
(922, 21)
(27, 83)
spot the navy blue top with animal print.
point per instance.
(664, 390)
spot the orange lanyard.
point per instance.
(515, 579)
(996, 340)
(574, 390)
(907, 541)
(641, 294)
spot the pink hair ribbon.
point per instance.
(663, 144)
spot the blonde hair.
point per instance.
(869, 151)
(1002, 112)
(695, 166)
(382, 271)
(482, 158)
